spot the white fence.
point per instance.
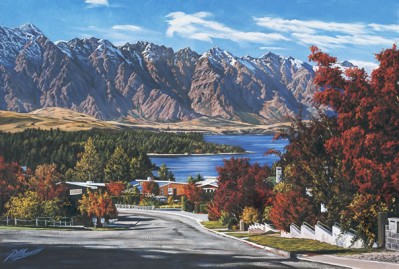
(322, 233)
(307, 231)
(265, 227)
(122, 206)
(38, 222)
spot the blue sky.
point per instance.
(348, 29)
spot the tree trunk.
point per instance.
(99, 224)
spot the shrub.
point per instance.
(227, 219)
(250, 215)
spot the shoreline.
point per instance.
(194, 154)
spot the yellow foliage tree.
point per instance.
(24, 206)
(250, 215)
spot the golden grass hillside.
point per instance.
(48, 118)
(68, 120)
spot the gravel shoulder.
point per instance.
(383, 256)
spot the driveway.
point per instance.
(158, 240)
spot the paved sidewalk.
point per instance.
(348, 262)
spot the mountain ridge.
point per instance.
(148, 81)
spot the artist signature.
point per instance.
(21, 253)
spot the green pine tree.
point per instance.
(163, 172)
(117, 167)
(171, 176)
(140, 167)
(89, 167)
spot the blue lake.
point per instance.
(184, 166)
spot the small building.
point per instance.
(209, 185)
(75, 189)
(172, 189)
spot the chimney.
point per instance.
(279, 174)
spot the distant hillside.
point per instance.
(69, 120)
(48, 118)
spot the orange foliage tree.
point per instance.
(115, 188)
(46, 181)
(99, 205)
(12, 181)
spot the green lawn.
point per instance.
(170, 206)
(295, 245)
(213, 225)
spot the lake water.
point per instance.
(256, 145)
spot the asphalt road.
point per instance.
(157, 241)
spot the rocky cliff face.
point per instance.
(148, 81)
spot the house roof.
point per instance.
(173, 182)
(211, 181)
(88, 184)
(215, 185)
(157, 181)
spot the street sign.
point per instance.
(75, 191)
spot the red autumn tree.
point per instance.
(240, 185)
(292, 207)
(46, 181)
(150, 188)
(194, 194)
(115, 188)
(12, 181)
(367, 117)
(99, 205)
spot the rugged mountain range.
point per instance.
(148, 81)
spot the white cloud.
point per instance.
(331, 35)
(272, 48)
(324, 34)
(118, 34)
(339, 41)
(368, 66)
(199, 26)
(309, 27)
(128, 27)
(97, 2)
(383, 27)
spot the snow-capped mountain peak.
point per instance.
(30, 29)
(13, 40)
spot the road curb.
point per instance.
(371, 263)
(286, 254)
(302, 258)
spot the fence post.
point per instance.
(72, 221)
(36, 223)
(7, 220)
(382, 221)
(15, 221)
